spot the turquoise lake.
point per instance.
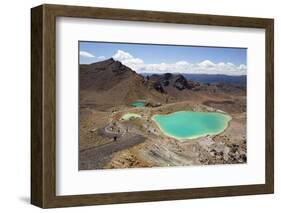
(190, 125)
(138, 103)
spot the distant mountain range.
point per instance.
(240, 80)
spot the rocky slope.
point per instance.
(168, 82)
(109, 83)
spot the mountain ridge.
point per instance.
(240, 80)
(111, 81)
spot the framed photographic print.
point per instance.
(136, 106)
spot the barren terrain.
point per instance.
(107, 91)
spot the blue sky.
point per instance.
(168, 58)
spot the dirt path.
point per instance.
(97, 157)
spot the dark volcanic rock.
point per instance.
(168, 80)
(181, 83)
(168, 76)
(158, 86)
(119, 68)
(165, 82)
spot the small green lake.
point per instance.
(129, 116)
(190, 125)
(138, 103)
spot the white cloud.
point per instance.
(128, 60)
(86, 54)
(101, 57)
(122, 55)
(204, 67)
(206, 64)
(182, 63)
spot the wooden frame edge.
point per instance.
(269, 122)
(43, 105)
(36, 106)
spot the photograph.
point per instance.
(141, 105)
(161, 105)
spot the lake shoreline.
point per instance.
(228, 117)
